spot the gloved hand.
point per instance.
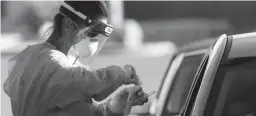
(132, 77)
(136, 96)
(128, 76)
(131, 95)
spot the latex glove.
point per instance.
(130, 95)
(136, 96)
(132, 77)
(129, 77)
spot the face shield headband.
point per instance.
(100, 27)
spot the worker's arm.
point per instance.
(70, 80)
(103, 81)
(95, 82)
(92, 82)
(108, 90)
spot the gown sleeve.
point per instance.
(101, 109)
(73, 80)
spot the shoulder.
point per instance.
(59, 58)
(49, 55)
(45, 51)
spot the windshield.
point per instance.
(182, 83)
(234, 89)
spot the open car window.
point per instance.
(182, 82)
(233, 91)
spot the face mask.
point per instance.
(89, 48)
(83, 49)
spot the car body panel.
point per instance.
(239, 42)
(233, 47)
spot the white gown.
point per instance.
(42, 81)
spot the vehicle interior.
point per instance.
(237, 94)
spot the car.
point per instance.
(178, 78)
(225, 83)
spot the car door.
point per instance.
(228, 89)
(200, 90)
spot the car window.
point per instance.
(182, 83)
(234, 89)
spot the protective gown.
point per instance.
(43, 82)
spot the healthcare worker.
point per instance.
(44, 82)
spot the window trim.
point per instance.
(215, 58)
(168, 81)
(224, 60)
(153, 105)
(165, 74)
(197, 52)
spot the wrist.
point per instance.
(126, 74)
(109, 111)
(118, 103)
(116, 106)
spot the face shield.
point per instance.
(92, 41)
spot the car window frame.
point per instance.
(224, 60)
(199, 93)
(168, 82)
(165, 74)
(215, 58)
(152, 107)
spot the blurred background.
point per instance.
(146, 33)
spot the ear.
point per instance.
(67, 25)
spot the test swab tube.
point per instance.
(151, 93)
